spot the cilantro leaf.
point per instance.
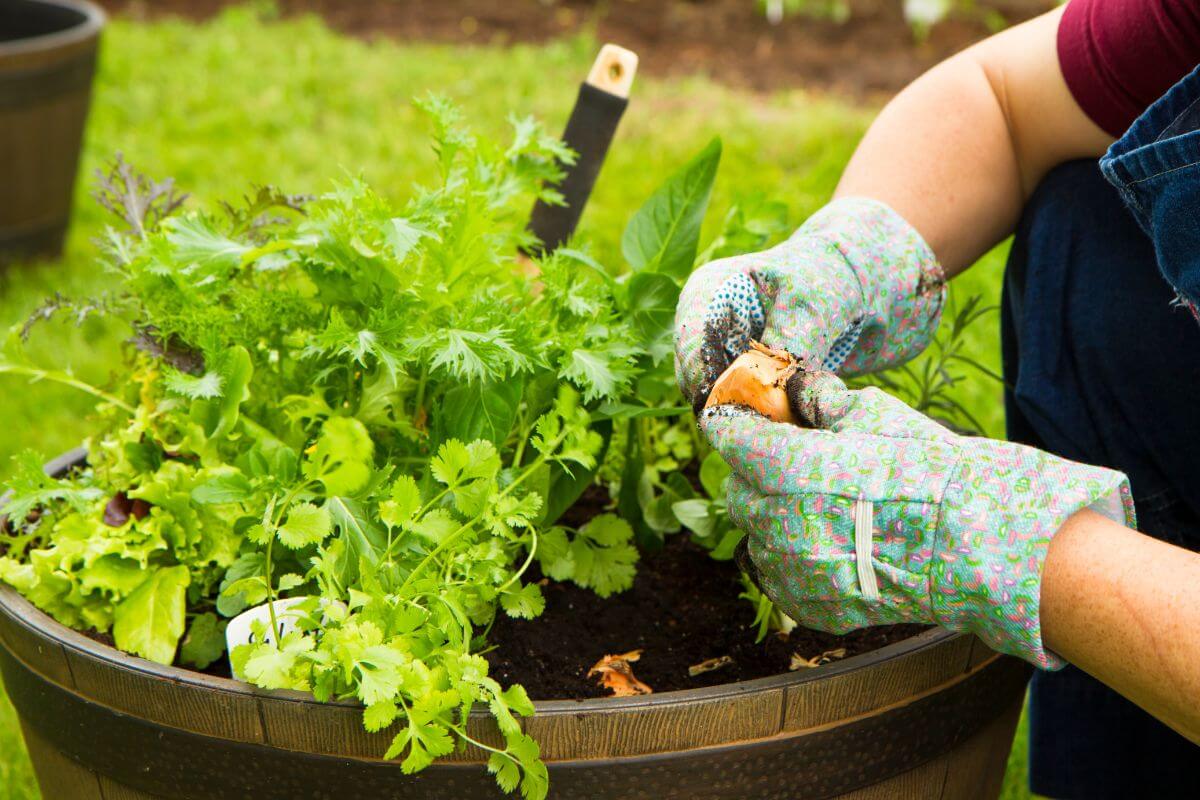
(524, 603)
(306, 524)
(403, 502)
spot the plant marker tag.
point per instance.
(240, 629)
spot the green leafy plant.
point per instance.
(368, 410)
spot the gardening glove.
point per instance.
(854, 290)
(881, 515)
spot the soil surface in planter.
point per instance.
(683, 609)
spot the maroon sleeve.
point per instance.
(1119, 56)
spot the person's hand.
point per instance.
(855, 289)
(880, 515)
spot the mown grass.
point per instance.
(245, 100)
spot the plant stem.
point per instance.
(528, 560)
(58, 376)
(420, 399)
(445, 543)
(467, 738)
(275, 632)
(288, 499)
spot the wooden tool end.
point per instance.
(613, 70)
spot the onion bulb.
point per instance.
(758, 379)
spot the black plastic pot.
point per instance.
(47, 60)
(930, 717)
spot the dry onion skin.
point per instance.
(758, 379)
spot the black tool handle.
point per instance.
(593, 123)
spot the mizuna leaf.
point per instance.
(193, 387)
(402, 235)
(664, 234)
(601, 371)
(150, 621)
(199, 248)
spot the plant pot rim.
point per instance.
(13, 604)
(87, 28)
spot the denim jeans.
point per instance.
(1102, 362)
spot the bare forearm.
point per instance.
(958, 152)
(1125, 608)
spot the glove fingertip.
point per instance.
(819, 398)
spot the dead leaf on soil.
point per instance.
(709, 665)
(616, 674)
(800, 662)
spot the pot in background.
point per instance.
(47, 61)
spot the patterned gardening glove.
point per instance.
(880, 515)
(855, 289)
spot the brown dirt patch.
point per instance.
(873, 53)
(683, 609)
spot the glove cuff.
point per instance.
(996, 527)
(901, 286)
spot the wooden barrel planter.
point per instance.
(928, 717)
(47, 60)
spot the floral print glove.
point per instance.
(880, 515)
(855, 289)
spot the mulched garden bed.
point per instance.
(873, 53)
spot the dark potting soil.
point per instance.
(683, 609)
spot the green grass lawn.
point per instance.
(242, 100)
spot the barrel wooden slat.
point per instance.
(855, 692)
(117, 791)
(44, 655)
(59, 776)
(202, 709)
(337, 729)
(636, 729)
(980, 653)
(976, 768)
(912, 785)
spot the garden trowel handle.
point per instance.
(590, 129)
